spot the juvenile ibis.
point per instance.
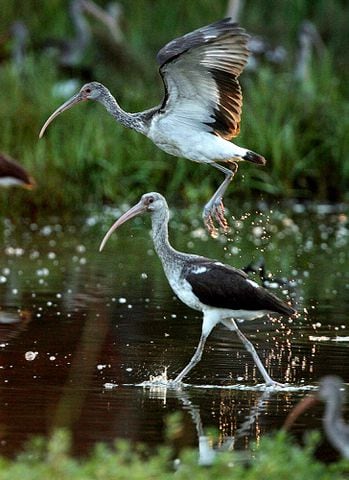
(12, 173)
(201, 109)
(221, 292)
(332, 393)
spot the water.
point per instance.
(81, 330)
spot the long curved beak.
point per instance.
(303, 405)
(68, 104)
(133, 212)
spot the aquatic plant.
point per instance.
(274, 458)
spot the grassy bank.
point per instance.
(274, 459)
(85, 157)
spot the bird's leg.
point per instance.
(250, 348)
(214, 209)
(195, 359)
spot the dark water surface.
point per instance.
(79, 330)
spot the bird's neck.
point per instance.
(160, 238)
(128, 120)
(333, 409)
(335, 426)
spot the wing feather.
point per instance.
(200, 72)
(223, 286)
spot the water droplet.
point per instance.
(30, 356)
(46, 231)
(43, 272)
(110, 386)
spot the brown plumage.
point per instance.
(12, 173)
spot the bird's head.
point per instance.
(90, 91)
(150, 202)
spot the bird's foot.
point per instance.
(272, 383)
(215, 210)
(212, 230)
(175, 384)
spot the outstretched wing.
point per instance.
(200, 72)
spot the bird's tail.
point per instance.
(254, 158)
(277, 305)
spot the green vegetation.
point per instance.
(85, 157)
(274, 459)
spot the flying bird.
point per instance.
(222, 293)
(201, 109)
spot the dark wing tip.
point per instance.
(198, 37)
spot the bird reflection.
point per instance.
(208, 449)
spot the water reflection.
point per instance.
(74, 321)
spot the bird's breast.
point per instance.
(190, 141)
(184, 292)
(167, 140)
(175, 138)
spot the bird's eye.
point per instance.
(87, 90)
(150, 200)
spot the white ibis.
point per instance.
(72, 50)
(260, 48)
(201, 108)
(331, 392)
(20, 37)
(308, 38)
(221, 292)
(110, 17)
(12, 173)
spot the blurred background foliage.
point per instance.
(300, 125)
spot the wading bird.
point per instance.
(221, 292)
(12, 173)
(331, 392)
(201, 108)
(71, 51)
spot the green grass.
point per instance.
(85, 157)
(275, 458)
